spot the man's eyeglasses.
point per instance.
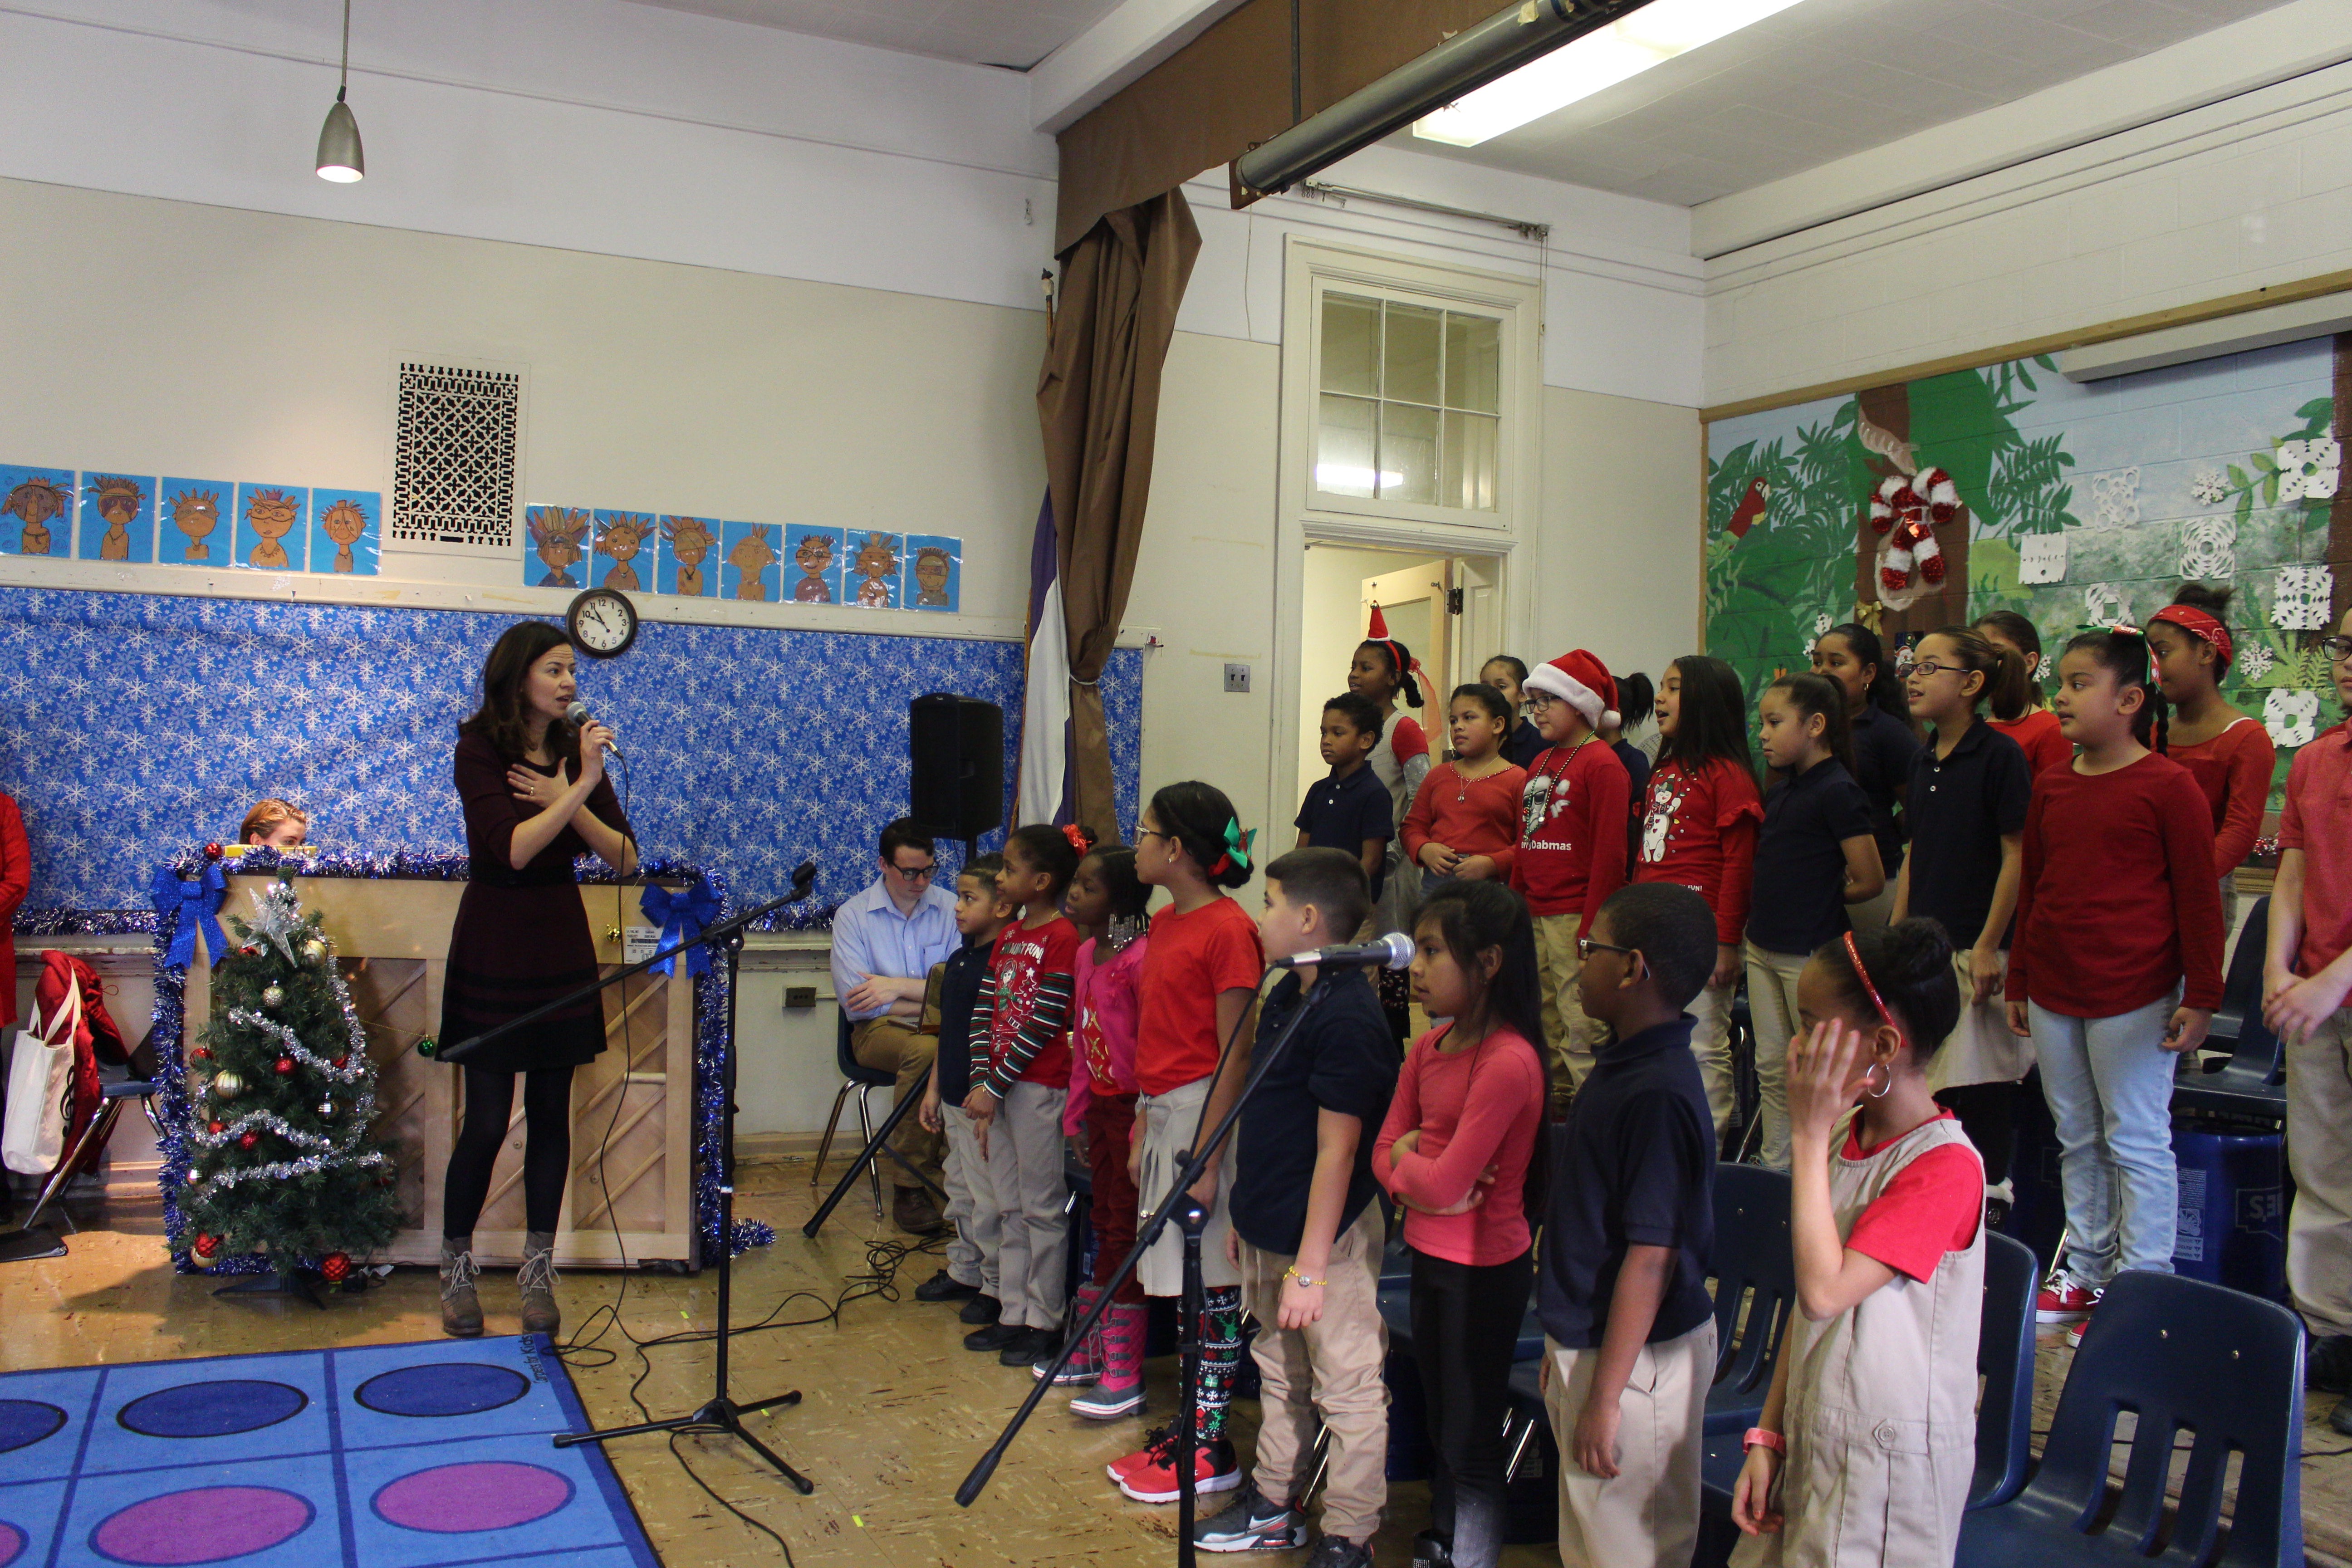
(2336, 647)
(922, 873)
(1586, 947)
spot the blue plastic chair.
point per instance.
(2251, 1081)
(2005, 1360)
(1752, 1265)
(2180, 1354)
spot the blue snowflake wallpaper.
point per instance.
(132, 726)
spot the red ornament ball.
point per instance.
(202, 1053)
(285, 1065)
(251, 1140)
(339, 1062)
(336, 1268)
(207, 1244)
(249, 951)
(212, 851)
(216, 1129)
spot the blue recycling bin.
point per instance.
(2232, 1216)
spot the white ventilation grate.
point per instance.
(453, 473)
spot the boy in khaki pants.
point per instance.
(1629, 1328)
(1306, 1235)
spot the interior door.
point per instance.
(1413, 601)
(1478, 626)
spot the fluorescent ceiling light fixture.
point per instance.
(1600, 60)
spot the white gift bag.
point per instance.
(40, 1088)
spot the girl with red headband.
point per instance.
(1024, 1015)
(1383, 670)
(2228, 753)
(1885, 1217)
(1197, 996)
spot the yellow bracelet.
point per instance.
(1292, 1273)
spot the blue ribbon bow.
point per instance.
(681, 917)
(196, 903)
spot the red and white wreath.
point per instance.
(1906, 511)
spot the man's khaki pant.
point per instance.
(1331, 1366)
(887, 1045)
(1648, 1511)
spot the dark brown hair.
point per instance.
(1818, 694)
(502, 719)
(2003, 669)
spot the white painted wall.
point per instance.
(1618, 547)
(2220, 200)
(1331, 627)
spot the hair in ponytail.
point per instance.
(2021, 634)
(1051, 850)
(2123, 652)
(1884, 692)
(1910, 966)
(1818, 695)
(1197, 816)
(2003, 669)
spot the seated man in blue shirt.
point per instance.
(885, 940)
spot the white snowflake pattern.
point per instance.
(2255, 659)
(2208, 488)
(2115, 496)
(1821, 624)
(2103, 605)
(2208, 547)
(2307, 470)
(2291, 717)
(2300, 601)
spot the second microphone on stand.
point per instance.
(1394, 951)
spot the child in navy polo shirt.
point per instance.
(1629, 1327)
(1352, 809)
(970, 1274)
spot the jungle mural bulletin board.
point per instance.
(2076, 504)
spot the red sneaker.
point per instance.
(1214, 1470)
(2075, 1335)
(2065, 1301)
(1153, 1440)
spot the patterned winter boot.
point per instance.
(1086, 1365)
(1118, 1390)
(536, 1279)
(461, 1308)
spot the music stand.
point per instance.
(721, 1412)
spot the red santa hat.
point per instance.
(1582, 682)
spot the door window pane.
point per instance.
(1408, 453)
(1352, 344)
(1473, 362)
(1343, 447)
(1410, 353)
(1471, 458)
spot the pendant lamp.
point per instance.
(341, 158)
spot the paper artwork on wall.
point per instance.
(37, 508)
(748, 571)
(558, 542)
(2300, 601)
(869, 579)
(2116, 500)
(2307, 470)
(2042, 558)
(270, 536)
(815, 551)
(2105, 605)
(934, 573)
(2291, 717)
(117, 519)
(688, 544)
(189, 515)
(2208, 547)
(2208, 487)
(622, 538)
(347, 527)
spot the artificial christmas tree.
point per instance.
(283, 1161)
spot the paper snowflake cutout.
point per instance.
(2291, 717)
(1822, 623)
(2255, 660)
(2042, 558)
(2300, 601)
(2307, 470)
(2208, 547)
(2208, 487)
(2116, 500)
(2103, 605)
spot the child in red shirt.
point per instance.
(1698, 829)
(1571, 852)
(1198, 993)
(1465, 822)
(1024, 1013)
(2116, 963)
(2306, 975)
(2024, 721)
(2228, 754)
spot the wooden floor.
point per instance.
(894, 1409)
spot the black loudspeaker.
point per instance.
(957, 747)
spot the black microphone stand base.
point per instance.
(722, 1414)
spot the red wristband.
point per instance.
(1759, 1436)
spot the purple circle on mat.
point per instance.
(451, 1500)
(11, 1543)
(208, 1524)
(25, 1422)
(212, 1409)
(443, 1388)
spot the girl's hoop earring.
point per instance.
(1880, 1092)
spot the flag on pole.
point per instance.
(1042, 788)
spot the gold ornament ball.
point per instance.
(326, 1108)
(227, 1085)
(313, 950)
(273, 995)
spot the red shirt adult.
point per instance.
(2318, 821)
(2234, 769)
(2038, 735)
(1026, 1000)
(2118, 903)
(1699, 830)
(1193, 960)
(1476, 1108)
(1572, 819)
(1469, 816)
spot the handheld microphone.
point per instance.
(577, 716)
(1394, 951)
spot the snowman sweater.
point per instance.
(1573, 831)
(1699, 830)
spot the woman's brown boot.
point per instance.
(461, 1308)
(536, 1279)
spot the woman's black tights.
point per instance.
(546, 1154)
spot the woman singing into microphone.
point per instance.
(536, 798)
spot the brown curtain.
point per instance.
(1098, 402)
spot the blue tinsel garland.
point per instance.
(171, 1011)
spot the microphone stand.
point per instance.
(720, 1412)
(1193, 1219)
(879, 1144)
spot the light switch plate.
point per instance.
(799, 996)
(1237, 677)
